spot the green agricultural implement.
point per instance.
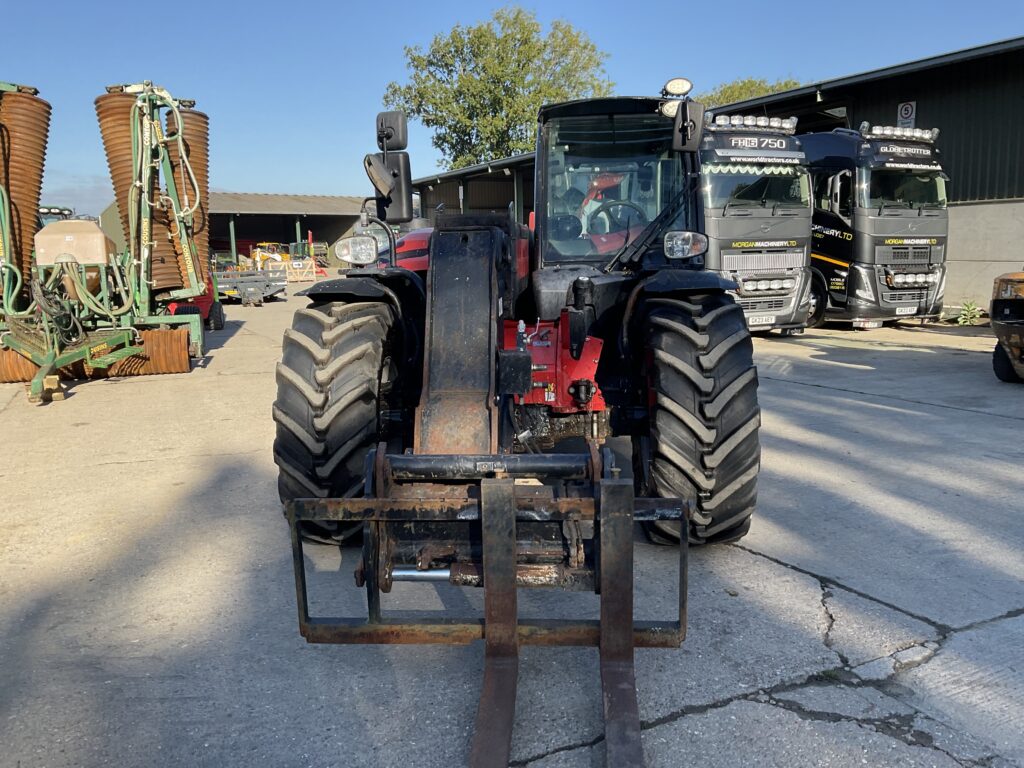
(73, 306)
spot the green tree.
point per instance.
(743, 89)
(480, 87)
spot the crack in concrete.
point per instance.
(828, 581)
(689, 710)
(826, 594)
(894, 726)
(891, 397)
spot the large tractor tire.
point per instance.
(1002, 365)
(334, 365)
(703, 445)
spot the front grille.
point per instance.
(917, 296)
(902, 254)
(759, 261)
(763, 305)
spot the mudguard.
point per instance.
(369, 285)
(687, 281)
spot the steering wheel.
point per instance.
(614, 220)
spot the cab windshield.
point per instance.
(607, 177)
(733, 187)
(881, 188)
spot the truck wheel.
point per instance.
(819, 302)
(216, 319)
(328, 383)
(1003, 366)
(703, 444)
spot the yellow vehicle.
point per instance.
(1007, 314)
(264, 252)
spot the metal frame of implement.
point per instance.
(498, 506)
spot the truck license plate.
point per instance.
(906, 310)
(761, 320)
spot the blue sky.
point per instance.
(292, 87)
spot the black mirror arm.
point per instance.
(367, 218)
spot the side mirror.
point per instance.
(835, 198)
(391, 177)
(689, 127)
(380, 175)
(392, 131)
(357, 250)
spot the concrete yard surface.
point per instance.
(873, 616)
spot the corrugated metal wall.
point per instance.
(979, 108)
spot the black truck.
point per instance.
(757, 216)
(880, 224)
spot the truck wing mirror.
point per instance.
(689, 126)
(392, 131)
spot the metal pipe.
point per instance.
(298, 235)
(565, 466)
(404, 573)
(231, 234)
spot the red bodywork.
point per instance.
(555, 370)
(411, 250)
(204, 302)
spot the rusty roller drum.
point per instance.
(114, 113)
(196, 135)
(24, 126)
(166, 352)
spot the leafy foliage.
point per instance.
(480, 87)
(970, 313)
(743, 89)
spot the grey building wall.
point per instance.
(985, 240)
(978, 107)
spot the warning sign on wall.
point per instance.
(906, 114)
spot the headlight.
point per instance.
(899, 279)
(764, 285)
(776, 285)
(358, 249)
(677, 86)
(920, 278)
(933, 278)
(789, 283)
(669, 108)
(685, 245)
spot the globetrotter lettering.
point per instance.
(820, 231)
(896, 149)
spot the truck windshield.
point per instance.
(881, 188)
(606, 177)
(730, 186)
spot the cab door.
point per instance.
(832, 243)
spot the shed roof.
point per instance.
(289, 205)
(480, 169)
(932, 62)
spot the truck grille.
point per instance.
(763, 305)
(902, 254)
(917, 296)
(759, 261)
